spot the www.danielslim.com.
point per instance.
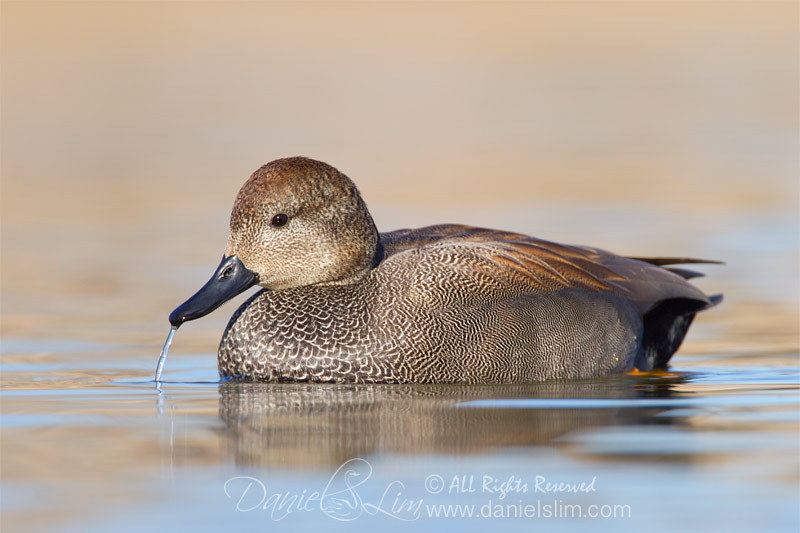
(539, 509)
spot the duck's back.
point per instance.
(543, 266)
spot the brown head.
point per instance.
(295, 222)
(299, 222)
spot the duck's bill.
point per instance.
(231, 278)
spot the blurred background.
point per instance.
(646, 128)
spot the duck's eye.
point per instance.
(279, 220)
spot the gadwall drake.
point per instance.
(447, 303)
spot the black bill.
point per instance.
(230, 279)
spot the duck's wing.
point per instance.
(412, 238)
(546, 266)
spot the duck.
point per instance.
(342, 303)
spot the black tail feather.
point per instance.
(665, 326)
(661, 261)
(686, 273)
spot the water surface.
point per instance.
(101, 448)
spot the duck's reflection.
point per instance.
(311, 425)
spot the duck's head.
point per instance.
(295, 222)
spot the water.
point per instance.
(99, 444)
(162, 359)
(644, 128)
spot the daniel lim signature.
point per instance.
(340, 499)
